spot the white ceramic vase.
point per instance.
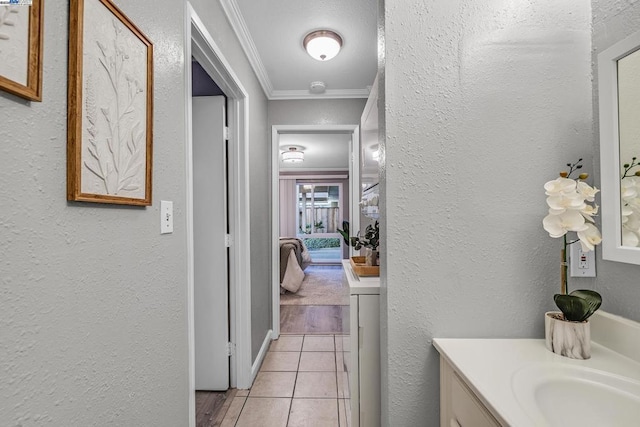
(569, 339)
(371, 257)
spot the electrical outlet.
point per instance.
(582, 264)
(166, 217)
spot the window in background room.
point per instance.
(318, 219)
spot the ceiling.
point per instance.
(271, 33)
(322, 151)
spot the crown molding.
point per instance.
(313, 170)
(239, 26)
(329, 94)
(236, 20)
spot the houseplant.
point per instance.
(370, 241)
(571, 210)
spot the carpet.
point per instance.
(322, 285)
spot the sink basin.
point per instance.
(567, 395)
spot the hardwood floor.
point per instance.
(211, 407)
(313, 319)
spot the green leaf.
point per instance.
(345, 231)
(573, 308)
(579, 305)
(355, 242)
(591, 297)
(369, 240)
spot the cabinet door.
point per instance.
(459, 406)
(353, 370)
(369, 355)
(467, 410)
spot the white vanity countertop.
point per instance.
(360, 285)
(488, 366)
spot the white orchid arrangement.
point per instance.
(630, 194)
(571, 209)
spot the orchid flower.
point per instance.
(572, 208)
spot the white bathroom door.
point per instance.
(211, 285)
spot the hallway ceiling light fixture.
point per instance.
(322, 44)
(293, 155)
(375, 152)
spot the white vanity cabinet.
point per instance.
(364, 366)
(459, 406)
(497, 382)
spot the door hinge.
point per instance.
(231, 349)
(228, 240)
(226, 133)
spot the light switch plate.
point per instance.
(581, 264)
(166, 217)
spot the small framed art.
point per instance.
(21, 49)
(110, 106)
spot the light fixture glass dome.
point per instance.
(375, 152)
(293, 155)
(322, 45)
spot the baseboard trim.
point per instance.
(261, 354)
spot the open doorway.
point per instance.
(311, 202)
(233, 361)
(210, 226)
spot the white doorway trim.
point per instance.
(200, 45)
(354, 197)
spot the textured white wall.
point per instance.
(617, 282)
(485, 102)
(93, 313)
(215, 20)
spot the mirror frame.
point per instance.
(612, 248)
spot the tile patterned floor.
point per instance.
(302, 383)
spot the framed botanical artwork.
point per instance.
(21, 49)
(110, 106)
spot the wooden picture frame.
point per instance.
(110, 107)
(21, 49)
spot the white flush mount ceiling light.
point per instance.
(322, 44)
(375, 152)
(293, 155)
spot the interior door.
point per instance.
(211, 285)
